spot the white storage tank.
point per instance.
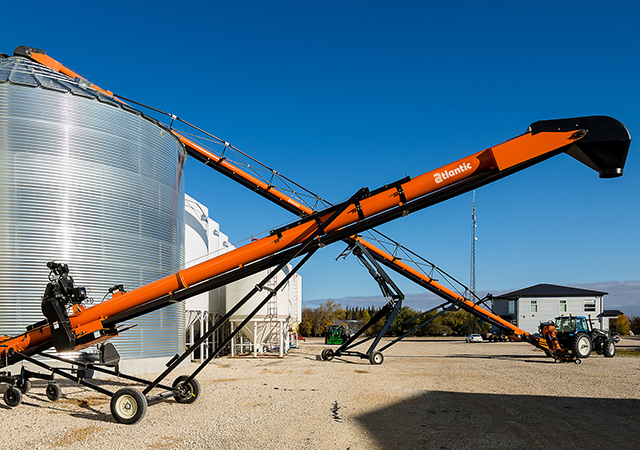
(89, 182)
(269, 329)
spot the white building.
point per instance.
(272, 329)
(527, 307)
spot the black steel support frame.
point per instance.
(66, 372)
(290, 255)
(445, 307)
(391, 309)
(178, 359)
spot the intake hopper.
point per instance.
(604, 148)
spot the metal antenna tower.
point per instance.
(472, 283)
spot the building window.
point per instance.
(512, 307)
(534, 306)
(563, 306)
(590, 305)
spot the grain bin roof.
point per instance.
(19, 70)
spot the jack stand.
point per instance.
(391, 309)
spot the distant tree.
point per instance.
(438, 329)
(327, 314)
(315, 321)
(406, 314)
(622, 325)
(306, 326)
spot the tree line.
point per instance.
(453, 323)
(625, 325)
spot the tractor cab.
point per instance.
(572, 325)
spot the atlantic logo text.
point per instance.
(440, 176)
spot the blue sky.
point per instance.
(341, 95)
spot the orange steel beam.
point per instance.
(452, 296)
(527, 146)
(222, 165)
(41, 57)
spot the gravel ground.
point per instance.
(428, 394)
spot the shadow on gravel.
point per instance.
(451, 420)
(538, 359)
(83, 405)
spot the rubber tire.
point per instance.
(192, 390)
(581, 346)
(24, 386)
(128, 406)
(53, 392)
(327, 354)
(12, 397)
(609, 349)
(376, 358)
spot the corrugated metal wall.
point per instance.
(86, 182)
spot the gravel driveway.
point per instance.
(428, 394)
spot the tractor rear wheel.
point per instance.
(581, 345)
(609, 349)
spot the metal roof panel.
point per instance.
(550, 290)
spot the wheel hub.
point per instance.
(127, 406)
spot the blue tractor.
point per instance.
(577, 338)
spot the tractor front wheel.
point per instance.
(581, 345)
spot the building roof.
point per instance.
(550, 290)
(612, 313)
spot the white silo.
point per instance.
(203, 240)
(269, 330)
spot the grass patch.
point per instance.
(630, 352)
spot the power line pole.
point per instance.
(472, 283)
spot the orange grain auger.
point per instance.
(600, 142)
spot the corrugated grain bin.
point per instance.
(89, 182)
